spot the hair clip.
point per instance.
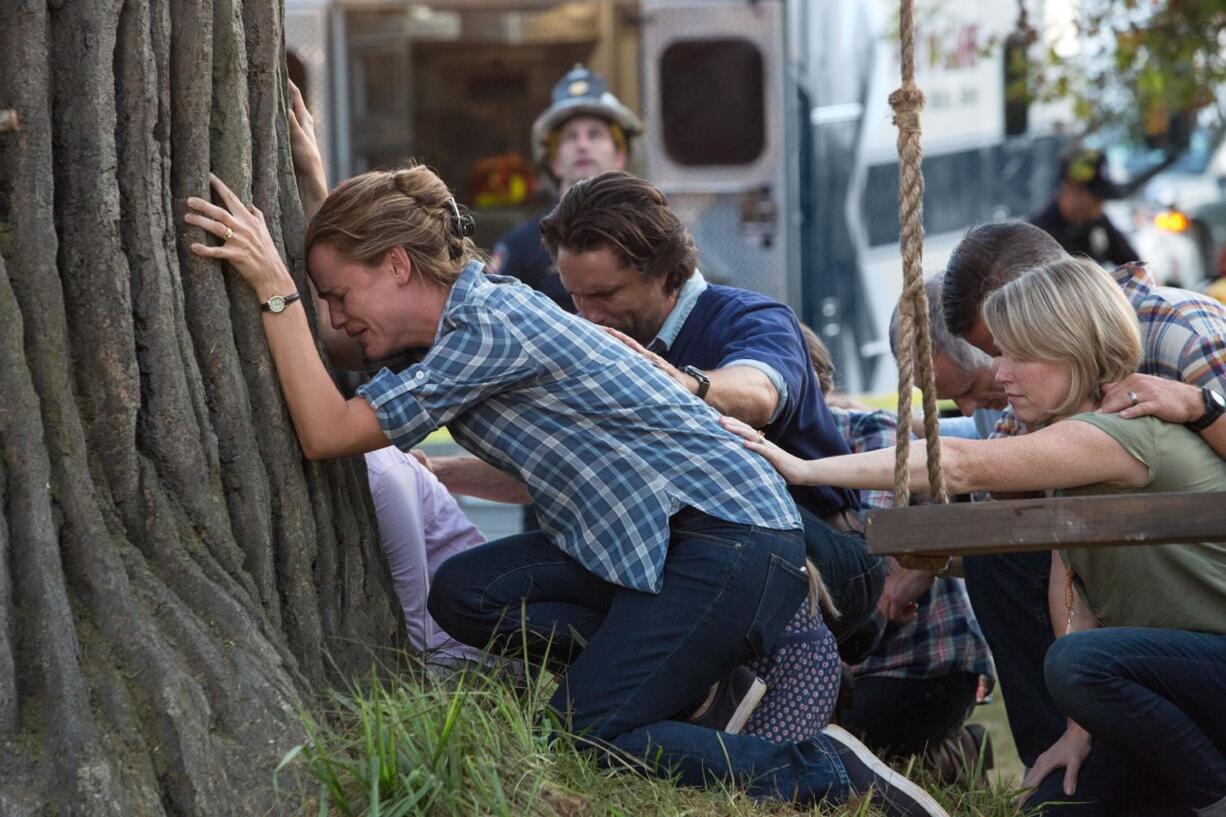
(462, 224)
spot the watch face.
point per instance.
(276, 303)
(1216, 398)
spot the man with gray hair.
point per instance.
(961, 372)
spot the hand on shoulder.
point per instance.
(1143, 395)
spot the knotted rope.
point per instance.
(914, 340)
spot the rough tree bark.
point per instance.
(175, 581)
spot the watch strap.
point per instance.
(1215, 407)
(286, 301)
(704, 382)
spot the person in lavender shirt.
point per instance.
(420, 527)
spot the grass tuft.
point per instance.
(473, 744)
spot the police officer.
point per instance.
(586, 131)
(1075, 216)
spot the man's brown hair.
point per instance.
(988, 257)
(630, 218)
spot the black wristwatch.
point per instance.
(1215, 407)
(704, 382)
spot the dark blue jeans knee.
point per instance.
(1157, 696)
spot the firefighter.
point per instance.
(584, 132)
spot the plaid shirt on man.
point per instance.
(608, 445)
(1183, 336)
(944, 636)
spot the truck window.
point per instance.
(711, 96)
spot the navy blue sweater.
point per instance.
(730, 324)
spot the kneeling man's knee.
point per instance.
(448, 601)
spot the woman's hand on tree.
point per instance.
(246, 243)
(792, 468)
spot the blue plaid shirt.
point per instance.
(608, 445)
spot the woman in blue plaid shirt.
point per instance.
(668, 555)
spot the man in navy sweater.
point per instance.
(630, 265)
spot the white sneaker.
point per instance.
(888, 789)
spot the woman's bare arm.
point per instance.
(1067, 454)
(469, 476)
(327, 424)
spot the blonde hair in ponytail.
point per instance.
(412, 208)
(819, 595)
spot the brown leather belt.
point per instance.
(845, 521)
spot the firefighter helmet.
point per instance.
(580, 93)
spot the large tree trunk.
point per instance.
(175, 580)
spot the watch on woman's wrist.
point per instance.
(277, 303)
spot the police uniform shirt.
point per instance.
(1098, 239)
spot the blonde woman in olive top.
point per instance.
(1138, 660)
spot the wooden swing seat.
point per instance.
(974, 528)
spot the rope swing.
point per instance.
(914, 340)
(925, 536)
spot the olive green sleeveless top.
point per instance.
(1180, 587)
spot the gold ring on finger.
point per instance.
(229, 234)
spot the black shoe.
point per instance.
(730, 702)
(980, 743)
(956, 760)
(869, 775)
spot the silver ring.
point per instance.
(229, 234)
(1132, 395)
(761, 437)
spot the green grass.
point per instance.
(1008, 769)
(474, 745)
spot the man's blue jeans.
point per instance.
(631, 660)
(903, 716)
(807, 771)
(1158, 696)
(1008, 593)
(855, 579)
